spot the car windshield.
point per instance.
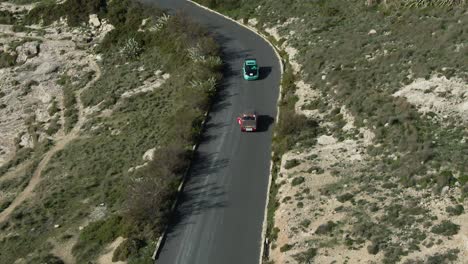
(245, 118)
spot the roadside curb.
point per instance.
(179, 192)
(263, 241)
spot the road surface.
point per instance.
(220, 214)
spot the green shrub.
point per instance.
(54, 126)
(97, 234)
(455, 210)
(345, 197)
(463, 179)
(286, 247)
(297, 181)
(127, 248)
(373, 249)
(69, 102)
(6, 18)
(447, 257)
(291, 163)
(326, 228)
(393, 253)
(446, 228)
(53, 108)
(7, 60)
(306, 256)
(445, 178)
(20, 156)
(305, 223)
(76, 11)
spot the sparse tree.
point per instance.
(131, 49)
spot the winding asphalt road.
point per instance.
(220, 214)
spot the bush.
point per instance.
(445, 178)
(345, 197)
(297, 181)
(54, 126)
(153, 189)
(448, 257)
(325, 228)
(306, 256)
(128, 247)
(373, 248)
(53, 108)
(292, 123)
(7, 60)
(455, 210)
(446, 228)
(291, 163)
(48, 259)
(305, 223)
(291, 129)
(76, 11)
(20, 156)
(6, 18)
(69, 103)
(97, 234)
(131, 49)
(286, 247)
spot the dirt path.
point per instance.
(63, 249)
(106, 258)
(59, 145)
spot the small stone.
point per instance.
(372, 32)
(56, 226)
(94, 20)
(27, 50)
(444, 190)
(149, 154)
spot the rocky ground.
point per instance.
(312, 224)
(31, 91)
(32, 98)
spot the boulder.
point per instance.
(26, 141)
(149, 154)
(46, 68)
(26, 51)
(444, 190)
(94, 21)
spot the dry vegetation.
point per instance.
(371, 161)
(100, 104)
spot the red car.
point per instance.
(248, 121)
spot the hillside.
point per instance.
(100, 104)
(371, 147)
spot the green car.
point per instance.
(250, 70)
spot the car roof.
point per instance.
(249, 112)
(250, 61)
